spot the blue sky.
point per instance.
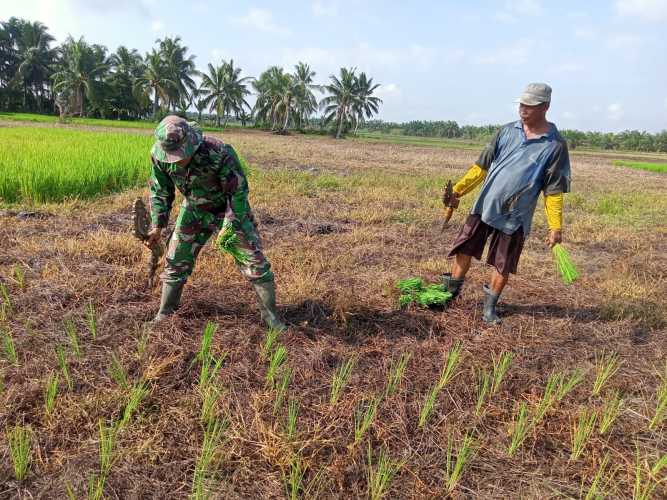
(464, 61)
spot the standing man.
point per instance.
(524, 158)
(208, 174)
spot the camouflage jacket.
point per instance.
(211, 180)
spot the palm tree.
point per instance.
(83, 68)
(155, 79)
(127, 66)
(339, 105)
(366, 104)
(180, 67)
(306, 103)
(270, 89)
(34, 57)
(225, 90)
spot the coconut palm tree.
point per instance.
(180, 67)
(225, 90)
(82, 73)
(34, 58)
(340, 103)
(126, 66)
(270, 88)
(366, 104)
(156, 79)
(305, 101)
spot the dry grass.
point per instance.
(342, 221)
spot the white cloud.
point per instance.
(157, 25)
(512, 55)
(568, 115)
(646, 10)
(262, 20)
(514, 9)
(323, 8)
(615, 112)
(217, 55)
(585, 33)
(388, 91)
(625, 41)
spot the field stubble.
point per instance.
(342, 221)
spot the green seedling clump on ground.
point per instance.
(414, 290)
(564, 265)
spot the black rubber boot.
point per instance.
(452, 285)
(266, 299)
(170, 300)
(489, 314)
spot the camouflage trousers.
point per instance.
(193, 229)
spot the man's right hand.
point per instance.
(154, 236)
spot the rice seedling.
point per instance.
(96, 487)
(415, 290)
(610, 411)
(108, 434)
(2, 381)
(548, 397)
(292, 415)
(606, 365)
(19, 439)
(596, 490)
(204, 474)
(294, 478)
(566, 385)
(91, 319)
(69, 490)
(564, 265)
(87, 163)
(210, 397)
(62, 364)
(581, 432)
(6, 301)
(19, 276)
(281, 389)
(207, 338)
(340, 378)
(276, 361)
(50, 392)
(137, 394)
(428, 405)
(117, 372)
(451, 362)
(381, 474)
(500, 367)
(484, 384)
(228, 243)
(9, 348)
(209, 370)
(363, 418)
(454, 467)
(269, 341)
(396, 371)
(644, 487)
(519, 430)
(73, 337)
(142, 343)
(661, 406)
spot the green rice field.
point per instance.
(49, 165)
(651, 167)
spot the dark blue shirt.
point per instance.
(518, 169)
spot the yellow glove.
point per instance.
(473, 178)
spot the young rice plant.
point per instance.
(19, 439)
(340, 379)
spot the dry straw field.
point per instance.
(358, 399)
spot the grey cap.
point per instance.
(534, 94)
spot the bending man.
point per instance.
(524, 158)
(208, 174)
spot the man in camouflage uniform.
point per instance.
(208, 174)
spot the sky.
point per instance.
(435, 60)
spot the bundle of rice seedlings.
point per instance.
(228, 242)
(414, 290)
(564, 264)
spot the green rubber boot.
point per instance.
(452, 285)
(266, 299)
(489, 314)
(171, 298)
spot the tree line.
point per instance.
(628, 140)
(78, 78)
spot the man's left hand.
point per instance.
(555, 236)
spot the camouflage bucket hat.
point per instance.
(176, 139)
